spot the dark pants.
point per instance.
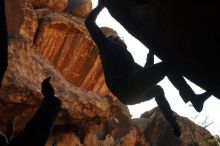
(141, 85)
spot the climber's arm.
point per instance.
(92, 27)
(150, 59)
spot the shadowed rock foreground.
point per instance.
(49, 42)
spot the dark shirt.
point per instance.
(117, 61)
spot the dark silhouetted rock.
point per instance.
(58, 5)
(158, 131)
(64, 50)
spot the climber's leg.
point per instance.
(133, 89)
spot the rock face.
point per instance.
(157, 131)
(79, 8)
(65, 42)
(63, 49)
(21, 19)
(174, 31)
(58, 5)
(85, 116)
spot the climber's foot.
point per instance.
(198, 100)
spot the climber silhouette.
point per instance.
(127, 80)
(118, 64)
(3, 42)
(38, 129)
(132, 83)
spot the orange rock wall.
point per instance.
(58, 5)
(21, 19)
(65, 42)
(48, 42)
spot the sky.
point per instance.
(209, 115)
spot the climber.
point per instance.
(3, 42)
(38, 129)
(127, 80)
(122, 74)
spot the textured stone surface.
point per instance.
(85, 118)
(64, 41)
(63, 49)
(21, 19)
(64, 139)
(58, 5)
(23, 83)
(158, 131)
(79, 8)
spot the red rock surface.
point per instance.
(65, 42)
(58, 5)
(21, 19)
(79, 8)
(91, 118)
(158, 131)
(64, 50)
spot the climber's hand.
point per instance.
(47, 89)
(102, 3)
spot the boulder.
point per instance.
(79, 8)
(87, 116)
(185, 35)
(64, 40)
(58, 5)
(63, 49)
(158, 132)
(21, 19)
